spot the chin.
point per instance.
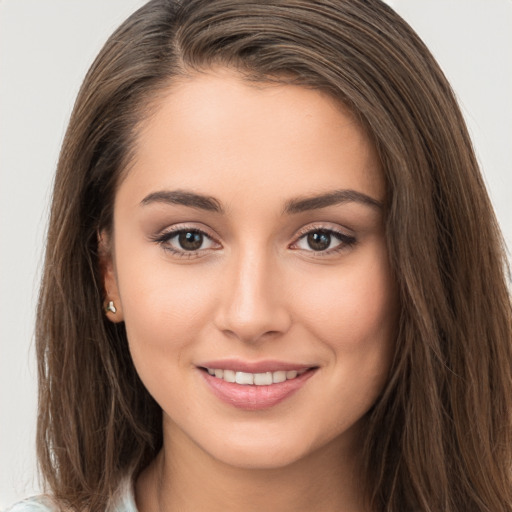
(256, 451)
(260, 457)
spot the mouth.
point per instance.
(255, 379)
(234, 384)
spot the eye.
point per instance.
(186, 241)
(323, 240)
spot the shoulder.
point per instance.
(122, 501)
(34, 504)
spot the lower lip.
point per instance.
(252, 397)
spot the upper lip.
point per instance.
(254, 366)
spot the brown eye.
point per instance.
(324, 241)
(190, 240)
(319, 240)
(186, 242)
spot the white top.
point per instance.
(124, 501)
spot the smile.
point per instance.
(254, 379)
(255, 386)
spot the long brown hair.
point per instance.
(440, 437)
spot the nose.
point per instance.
(252, 304)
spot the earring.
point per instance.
(110, 307)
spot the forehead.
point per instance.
(216, 130)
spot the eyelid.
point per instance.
(346, 240)
(164, 236)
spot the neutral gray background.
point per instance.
(46, 47)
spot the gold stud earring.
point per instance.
(110, 307)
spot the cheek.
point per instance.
(170, 297)
(165, 306)
(354, 316)
(354, 308)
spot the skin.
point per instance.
(255, 290)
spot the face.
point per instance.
(248, 261)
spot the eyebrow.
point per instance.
(292, 206)
(184, 198)
(303, 204)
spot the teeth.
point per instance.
(258, 379)
(263, 379)
(229, 376)
(278, 377)
(244, 378)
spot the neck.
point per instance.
(183, 477)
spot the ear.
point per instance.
(111, 302)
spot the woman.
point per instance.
(273, 278)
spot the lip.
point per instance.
(267, 365)
(251, 397)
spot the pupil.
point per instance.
(319, 240)
(190, 240)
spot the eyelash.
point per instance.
(346, 241)
(164, 238)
